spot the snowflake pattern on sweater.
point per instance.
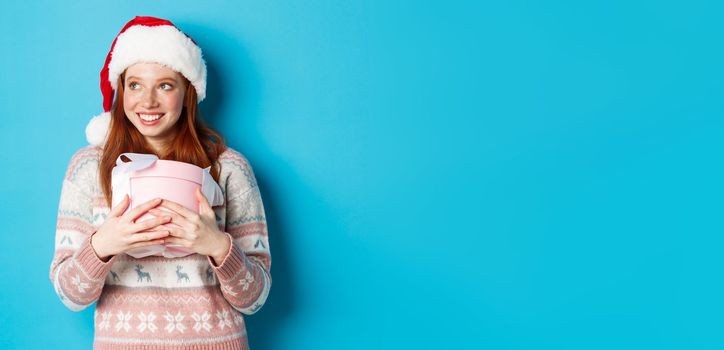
(156, 302)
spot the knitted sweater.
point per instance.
(156, 302)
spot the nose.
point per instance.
(149, 99)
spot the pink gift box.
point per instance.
(146, 177)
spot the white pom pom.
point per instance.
(97, 129)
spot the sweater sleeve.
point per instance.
(244, 273)
(77, 274)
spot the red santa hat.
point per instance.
(146, 39)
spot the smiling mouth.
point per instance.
(150, 117)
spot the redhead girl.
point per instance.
(152, 80)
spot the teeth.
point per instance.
(150, 117)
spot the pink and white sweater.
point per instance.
(156, 302)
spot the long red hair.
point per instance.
(194, 143)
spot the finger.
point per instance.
(173, 228)
(148, 236)
(120, 207)
(177, 241)
(177, 232)
(175, 218)
(139, 210)
(145, 243)
(204, 206)
(180, 209)
(148, 224)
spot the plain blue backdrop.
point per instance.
(480, 175)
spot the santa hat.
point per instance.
(146, 39)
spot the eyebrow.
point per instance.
(162, 79)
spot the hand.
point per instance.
(198, 232)
(119, 234)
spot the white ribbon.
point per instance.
(210, 189)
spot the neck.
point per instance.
(159, 144)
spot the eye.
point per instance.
(133, 85)
(166, 86)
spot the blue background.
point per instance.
(500, 175)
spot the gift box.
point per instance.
(145, 177)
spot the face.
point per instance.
(153, 98)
